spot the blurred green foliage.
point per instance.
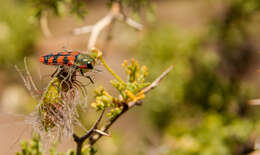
(17, 32)
(59, 7)
(135, 5)
(78, 7)
(202, 108)
(232, 33)
(34, 147)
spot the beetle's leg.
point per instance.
(90, 79)
(52, 75)
(81, 72)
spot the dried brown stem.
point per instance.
(94, 30)
(28, 81)
(97, 28)
(30, 76)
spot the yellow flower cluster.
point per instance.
(135, 98)
(103, 99)
(130, 91)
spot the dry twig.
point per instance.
(116, 13)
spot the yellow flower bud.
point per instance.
(124, 64)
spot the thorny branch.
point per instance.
(93, 138)
(116, 13)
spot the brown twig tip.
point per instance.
(158, 80)
(152, 85)
(130, 22)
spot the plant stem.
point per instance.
(111, 71)
(128, 106)
(80, 140)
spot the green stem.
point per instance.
(111, 71)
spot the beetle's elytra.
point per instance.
(74, 59)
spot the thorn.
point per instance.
(101, 132)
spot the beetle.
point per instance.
(75, 59)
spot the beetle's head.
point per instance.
(86, 62)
